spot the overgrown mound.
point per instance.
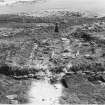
(82, 35)
(18, 73)
(93, 67)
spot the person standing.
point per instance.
(56, 28)
(56, 31)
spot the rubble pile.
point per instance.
(95, 27)
(9, 31)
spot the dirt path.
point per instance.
(43, 93)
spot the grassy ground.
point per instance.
(13, 91)
(40, 48)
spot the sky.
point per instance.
(14, 6)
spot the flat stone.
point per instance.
(11, 96)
